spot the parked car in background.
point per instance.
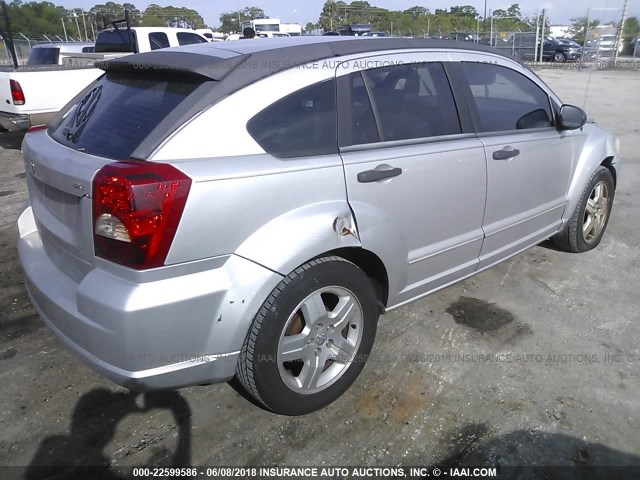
(55, 53)
(553, 50)
(607, 44)
(159, 246)
(145, 39)
(569, 41)
(31, 95)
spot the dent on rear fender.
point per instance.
(298, 236)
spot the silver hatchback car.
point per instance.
(249, 210)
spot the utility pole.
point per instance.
(542, 29)
(584, 40)
(86, 35)
(535, 49)
(620, 31)
(75, 15)
(64, 29)
(484, 18)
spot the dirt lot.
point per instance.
(569, 395)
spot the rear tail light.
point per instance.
(16, 93)
(136, 210)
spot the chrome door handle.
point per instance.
(506, 153)
(378, 173)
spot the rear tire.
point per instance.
(586, 227)
(311, 337)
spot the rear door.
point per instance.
(416, 177)
(529, 161)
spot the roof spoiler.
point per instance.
(178, 63)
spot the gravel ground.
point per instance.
(567, 395)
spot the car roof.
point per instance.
(216, 61)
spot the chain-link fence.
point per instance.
(23, 45)
(601, 43)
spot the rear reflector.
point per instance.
(16, 93)
(137, 207)
(37, 128)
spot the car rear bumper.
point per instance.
(162, 334)
(14, 121)
(23, 121)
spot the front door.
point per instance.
(529, 162)
(415, 180)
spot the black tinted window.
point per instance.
(115, 41)
(362, 127)
(158, 40)
(301, 124)
(190, 38)
(505, 99)
(121, 110)
(412, 101)
(44, 56)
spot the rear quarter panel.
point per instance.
(276, 212)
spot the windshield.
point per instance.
(44, 56)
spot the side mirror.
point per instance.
(571, 117)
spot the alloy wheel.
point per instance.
(320, 340)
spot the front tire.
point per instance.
(586, 227)
(311, 337)
(559, 57)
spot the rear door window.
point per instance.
(185, 38)
(118, 114)
(412, 101)
(299, 125)
(505, 99)
(158, 40)
(361, 127)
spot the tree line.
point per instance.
(36, 19)
(45, 18)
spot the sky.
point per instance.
(303, 11)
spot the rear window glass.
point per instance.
(117, 115)
(115, 41)
(44, 56)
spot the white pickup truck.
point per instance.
(32, 94)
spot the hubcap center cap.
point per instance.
(321, 338)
